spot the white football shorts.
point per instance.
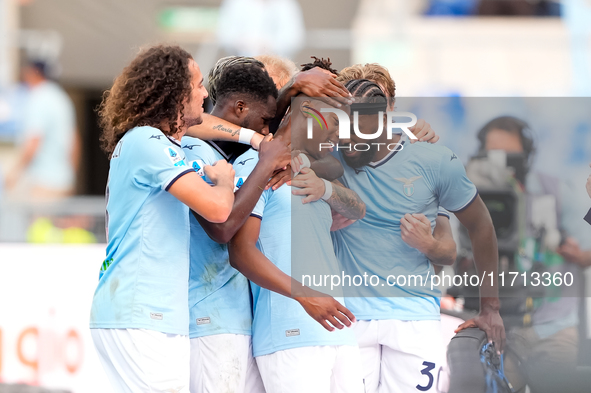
(140, 360)
(315, 369)
(401, 356)
(224, 363)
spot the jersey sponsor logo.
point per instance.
(408, 188)
(243, 161)
(453, 157)
(157, 316)
(156, 137)
(292, 332)
(203, 321)
(358, 171)
(175, 157)
(190, 147)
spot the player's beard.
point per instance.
(360, 160)
(193, 121)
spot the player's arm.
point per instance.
(439, 247)
(476, 218)
(254, 265)
(274, 154)
(212, 203)
(215, 129)
(328, 168)
(313, 83)
(341, 199)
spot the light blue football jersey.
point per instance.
(219, 295)
(280, 322)
(143, 282)
(418, 179)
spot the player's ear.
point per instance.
(305, 108)
(240, 108)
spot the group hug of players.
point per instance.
(207, 214)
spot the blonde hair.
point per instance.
(373, 72)
(279, 68)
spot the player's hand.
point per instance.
(221, 173)
(296, 161)
(322, 83)
(308, 184)
(275, 152)
(571, 251)
(326, 310)
(256, 140)
(415, 230)
(491, 323)
(423, 132)
(280, 178)
(339, 221)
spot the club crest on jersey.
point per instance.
(174, 156)
(408, 187)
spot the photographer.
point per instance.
(542, 351)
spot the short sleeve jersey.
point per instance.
(219, 295)
(143, 282)
(280, 322)
(420, 178)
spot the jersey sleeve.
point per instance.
(158, 161)
(455, 190)
(198, 154)
(259, 208)
(442, 212)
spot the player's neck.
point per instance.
(218, 111)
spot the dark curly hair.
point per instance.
(247, 79)
(150, 90)
(216, 72)
(320, 63)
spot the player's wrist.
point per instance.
(296, 86)
(301, 293)
(489, 305)
(327, 190)
(430, 246)
(305, 161)
(246, 136)
(225, 182)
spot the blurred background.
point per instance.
(58, 56)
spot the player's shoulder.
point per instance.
(145, 141)
(146, 134)
(196, 146)
(245, 163)
(430, 151)
(248, 158)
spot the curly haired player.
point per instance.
(139, 318)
